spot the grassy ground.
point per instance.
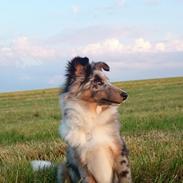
(152, 123)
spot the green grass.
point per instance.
(152, 123)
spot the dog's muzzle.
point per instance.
(124, 95)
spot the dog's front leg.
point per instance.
(122, 166)
(99, 163)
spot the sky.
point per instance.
(139, 39)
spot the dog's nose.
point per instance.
(124, 95)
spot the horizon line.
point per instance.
(57, 88)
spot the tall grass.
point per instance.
(152, 123)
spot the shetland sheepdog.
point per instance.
(90, 126)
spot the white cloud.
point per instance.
(141, 45)
(120, 3)
(142, 62)
(108, 45)
(137, 55)
(26, 52)
(115, 46)
(160, 46)
(23, 52)
(23, 46)
(177, 45)
(75, 9)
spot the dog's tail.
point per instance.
(62, 174)
(39, 165)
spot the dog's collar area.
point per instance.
(98, 109)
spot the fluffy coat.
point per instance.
(90, 126)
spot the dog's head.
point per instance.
(87, 81)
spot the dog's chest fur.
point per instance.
(86, 129)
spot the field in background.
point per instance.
(152, 123)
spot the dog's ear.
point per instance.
(80, 65)
(101, 65)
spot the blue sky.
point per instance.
(139, 39)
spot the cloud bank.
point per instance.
(27, 52)
(129, 56)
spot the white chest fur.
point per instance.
(84, 129)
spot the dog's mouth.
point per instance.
(109, 102)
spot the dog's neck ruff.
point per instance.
(81, 127)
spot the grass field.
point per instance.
(152, 123)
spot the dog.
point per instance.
(90, 126)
